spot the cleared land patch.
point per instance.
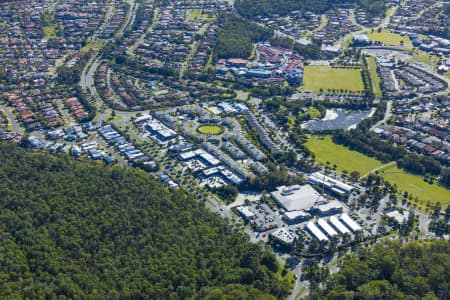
(326, 79)
(210, 129)
(389, 38)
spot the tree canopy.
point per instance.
(236, 37)
(253, 8)
(77, 229)
(418, 270)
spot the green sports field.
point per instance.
(325, 78)
(388, 38)
(345, 159)
(416, 186)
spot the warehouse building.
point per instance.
(283, 236)
(350, 223)
(316, 232)
(296, 216)
(328, 209)
(296, 197)
(245, 212)
(326, 228)
(338, 225)
(330, 184)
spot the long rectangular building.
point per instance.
(350, 223)
(327, 228)
(314, 230)
(329, 183)
(338, 225)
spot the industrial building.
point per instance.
(328, 209)
(330, 184)
(282, 235)
(296, 216)
(316, 232)
(245, 212)
(350, 223)
(326, 228)
(297, 197)
(338, 225)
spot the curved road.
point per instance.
(12, 120)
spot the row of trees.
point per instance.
(369, 144)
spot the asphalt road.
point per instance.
(387, 115)
(12, 120)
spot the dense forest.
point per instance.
(253, 8)
(418, 270)
(237, 35)
(80, 230)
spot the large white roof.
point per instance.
(350, 223)
(338, 225)
(297, 197)
(318, 234)
(326, 227)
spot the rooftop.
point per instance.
(283, 235)
(297, 197)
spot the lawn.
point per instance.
(49, 32)
(374, 77)
(345, 159)
(447, 74)
(210, 129)
(416, 186)
(389, 38)
(326, 78)
(96, 45)
(422, 57)
(425, 57)
(311, 111)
